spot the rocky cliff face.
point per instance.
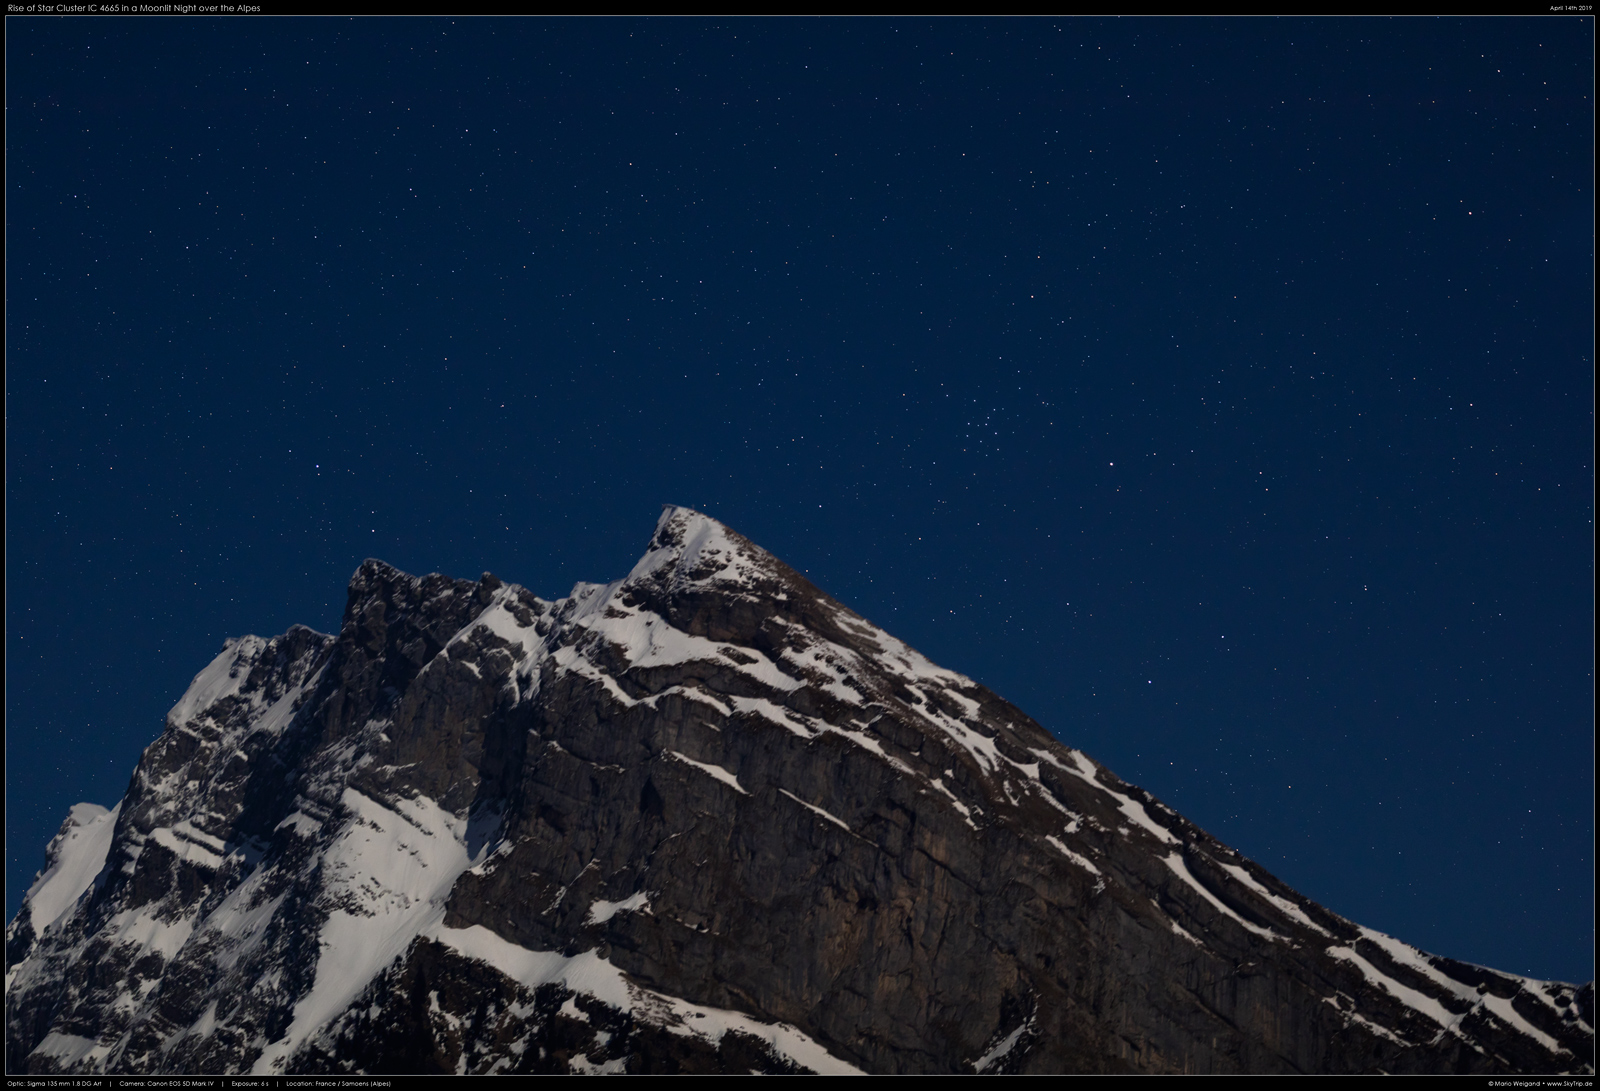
(701, 819)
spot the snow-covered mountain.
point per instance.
(704, 818)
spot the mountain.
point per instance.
(704, 818)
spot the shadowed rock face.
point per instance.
(701, 819)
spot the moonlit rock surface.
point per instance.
(702, 819)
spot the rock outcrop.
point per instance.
(704, 818)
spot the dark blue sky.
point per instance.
(1220, 392)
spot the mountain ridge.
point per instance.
(609, 793)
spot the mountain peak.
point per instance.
(703, 818)
(691, 549)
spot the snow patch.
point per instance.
(594, 976)
(300, 824)
(1085, 770)
(841, 823)
(223, 677)
(1178, 930)
(500, 621)
(821, 661)
(571, 660)
(79, 858)
(190, 845)
(1081, 861)
(1352, 1017)
(281, 711)
(705, 542)
(714, 771)
(981, 747)
(783, 717)
(389, 874)
(602, 911)
(1284, 905)
(648, 640)
(1411, 998)
(1407, 955)
(689, 693)
(67, 1049)
(998, 1053)
(147, 933)
(1181, 870)
(240, 923)
(966, 812)
(1501, 1006)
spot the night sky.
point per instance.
(1219, 392)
